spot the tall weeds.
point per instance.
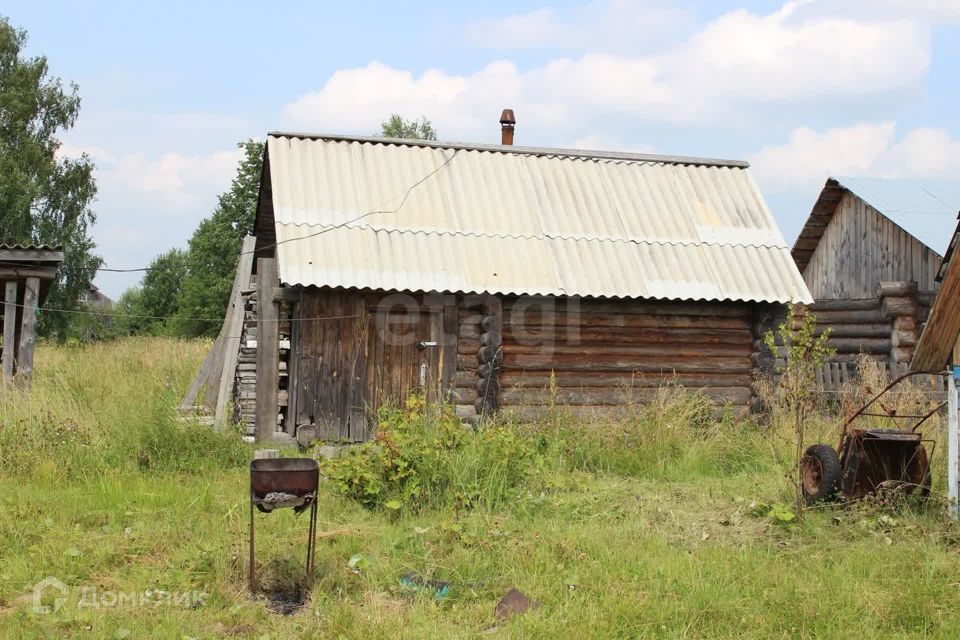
(109, 406)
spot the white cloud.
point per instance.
(180, 180)
(95, 153)
(735, 67)
(149, 202)
(923, 153)
(743, 56)
(602, 25)
(929, 11)
(809, 157)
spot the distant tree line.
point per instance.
(186, 293)
(46, 197)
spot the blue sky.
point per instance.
(801, 89)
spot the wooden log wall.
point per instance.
(885, 327)
(602, 354)
(465, 395)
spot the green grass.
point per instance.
(647, 528)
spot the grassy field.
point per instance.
(665, 525)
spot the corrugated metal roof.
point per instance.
(926, 209)
(499, 220)
(30, 247)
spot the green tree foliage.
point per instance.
(215, 249)
(44, 198)
(396, 127)
(160, 290)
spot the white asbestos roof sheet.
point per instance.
(380, 214)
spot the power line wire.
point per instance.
(403, 201)
(150, 317)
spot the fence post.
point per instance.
(953, 445)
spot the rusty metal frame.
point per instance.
(858, 437)
(862, 411)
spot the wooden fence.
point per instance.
(833, 375)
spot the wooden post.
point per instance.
(953, 446)
(268, 349)
(489, 357)
(28, 331)
(448, 354)
(9, 329)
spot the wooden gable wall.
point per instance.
(861, 248)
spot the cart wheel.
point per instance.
(820, 473)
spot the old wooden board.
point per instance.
(232, 328)
(190, 398)
(268, 352)
(9, 327)
(28, 331)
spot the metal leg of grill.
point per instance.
(252, 570)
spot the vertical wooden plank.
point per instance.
(357, 370)
(232, 328)
(953, 447)
(9, 328)
(28, 331)
(268, 351)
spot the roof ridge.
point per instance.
(595, 155)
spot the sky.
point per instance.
(802, 89)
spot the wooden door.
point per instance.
(403, 357)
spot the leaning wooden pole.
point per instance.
(232, 328)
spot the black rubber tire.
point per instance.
(822, 486)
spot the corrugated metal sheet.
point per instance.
(926, 209)
(526, 222)
(30, 247)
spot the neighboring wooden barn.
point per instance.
(500, 278)
(939, 345)
(869, 253)
(26, 273)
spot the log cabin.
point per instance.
(500, 278)
(870, 252)
(26, 273)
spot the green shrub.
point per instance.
(424, 456)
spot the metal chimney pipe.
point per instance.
(507, 123)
